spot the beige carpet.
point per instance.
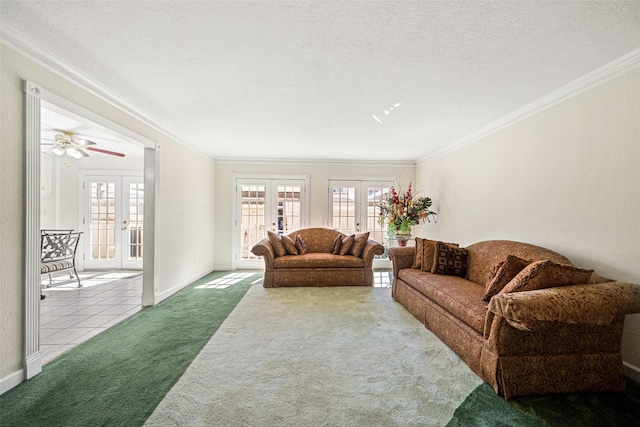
(319, 357)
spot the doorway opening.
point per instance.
(52, 198)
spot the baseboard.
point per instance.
(223, 268)
(632, 371)
(166, 294)
(11, 380)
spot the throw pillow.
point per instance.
(347, 244)
(419, 256)
(547, 274)
(337, 243)
(450, 260)
(276, 244)
(289, 245)
(507, 270)
(300, 245)
(428, 253)
(359, 242)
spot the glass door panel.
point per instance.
(113, 222)
(133, 223)
(275, 205)
(354, 208)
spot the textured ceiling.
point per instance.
(303, 80)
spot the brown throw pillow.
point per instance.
(428, 253)
(506, 271)
(450, 260)
(337, 243)
(347, 244)
(302, 248)
(419, 255)
(276, 244)
(547, 274)
(359, 242)
(289, 245)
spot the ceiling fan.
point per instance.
(68, 143)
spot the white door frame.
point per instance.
(235, 229)
(34, 95)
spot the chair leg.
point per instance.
(77, 277)
(50, 281)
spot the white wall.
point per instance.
(567, 178)
(186, 200)
(318, 174)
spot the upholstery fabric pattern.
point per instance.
(505, 273)
(289, 245)
(560, 339)
(337, 243)
(47, 267)
(316, 260)
(484, 256)
(589, 304)
(347, 244)
(547, 274)
(458, 296)
(318, 267)
(419, 254)
(450, 260)
(276, 243)
(300, 245)
(359, 241)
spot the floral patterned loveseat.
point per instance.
(317, 257)
(562, 337)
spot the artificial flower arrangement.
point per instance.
(402, 211)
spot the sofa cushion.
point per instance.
(450, 260)
(337, 244)
(276, 244)
(300, 245)
(547, 274)
(318, 260)
(460, 297)
(506, 271)
(359, 242)
(419, 254)
(428, 253)
(289, 245)
(347, 244)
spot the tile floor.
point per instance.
(70, 315)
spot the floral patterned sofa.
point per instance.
(317, 257)
(522, 317)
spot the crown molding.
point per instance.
(606, 73)
(16, 41)
(336, 162)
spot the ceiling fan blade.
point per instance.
(84, 142)
(84, 154)
(100, 150)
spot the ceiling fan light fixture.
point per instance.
(58, 151)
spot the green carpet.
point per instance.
(483, 408)
(118, 377)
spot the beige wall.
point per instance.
(318, 174)
(186, 200)
(567, 178)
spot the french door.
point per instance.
(113, 222)
(354, 209)
(266, 204)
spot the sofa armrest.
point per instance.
(371, 249)
(591, 304)
(264, 249)
(401, 257)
